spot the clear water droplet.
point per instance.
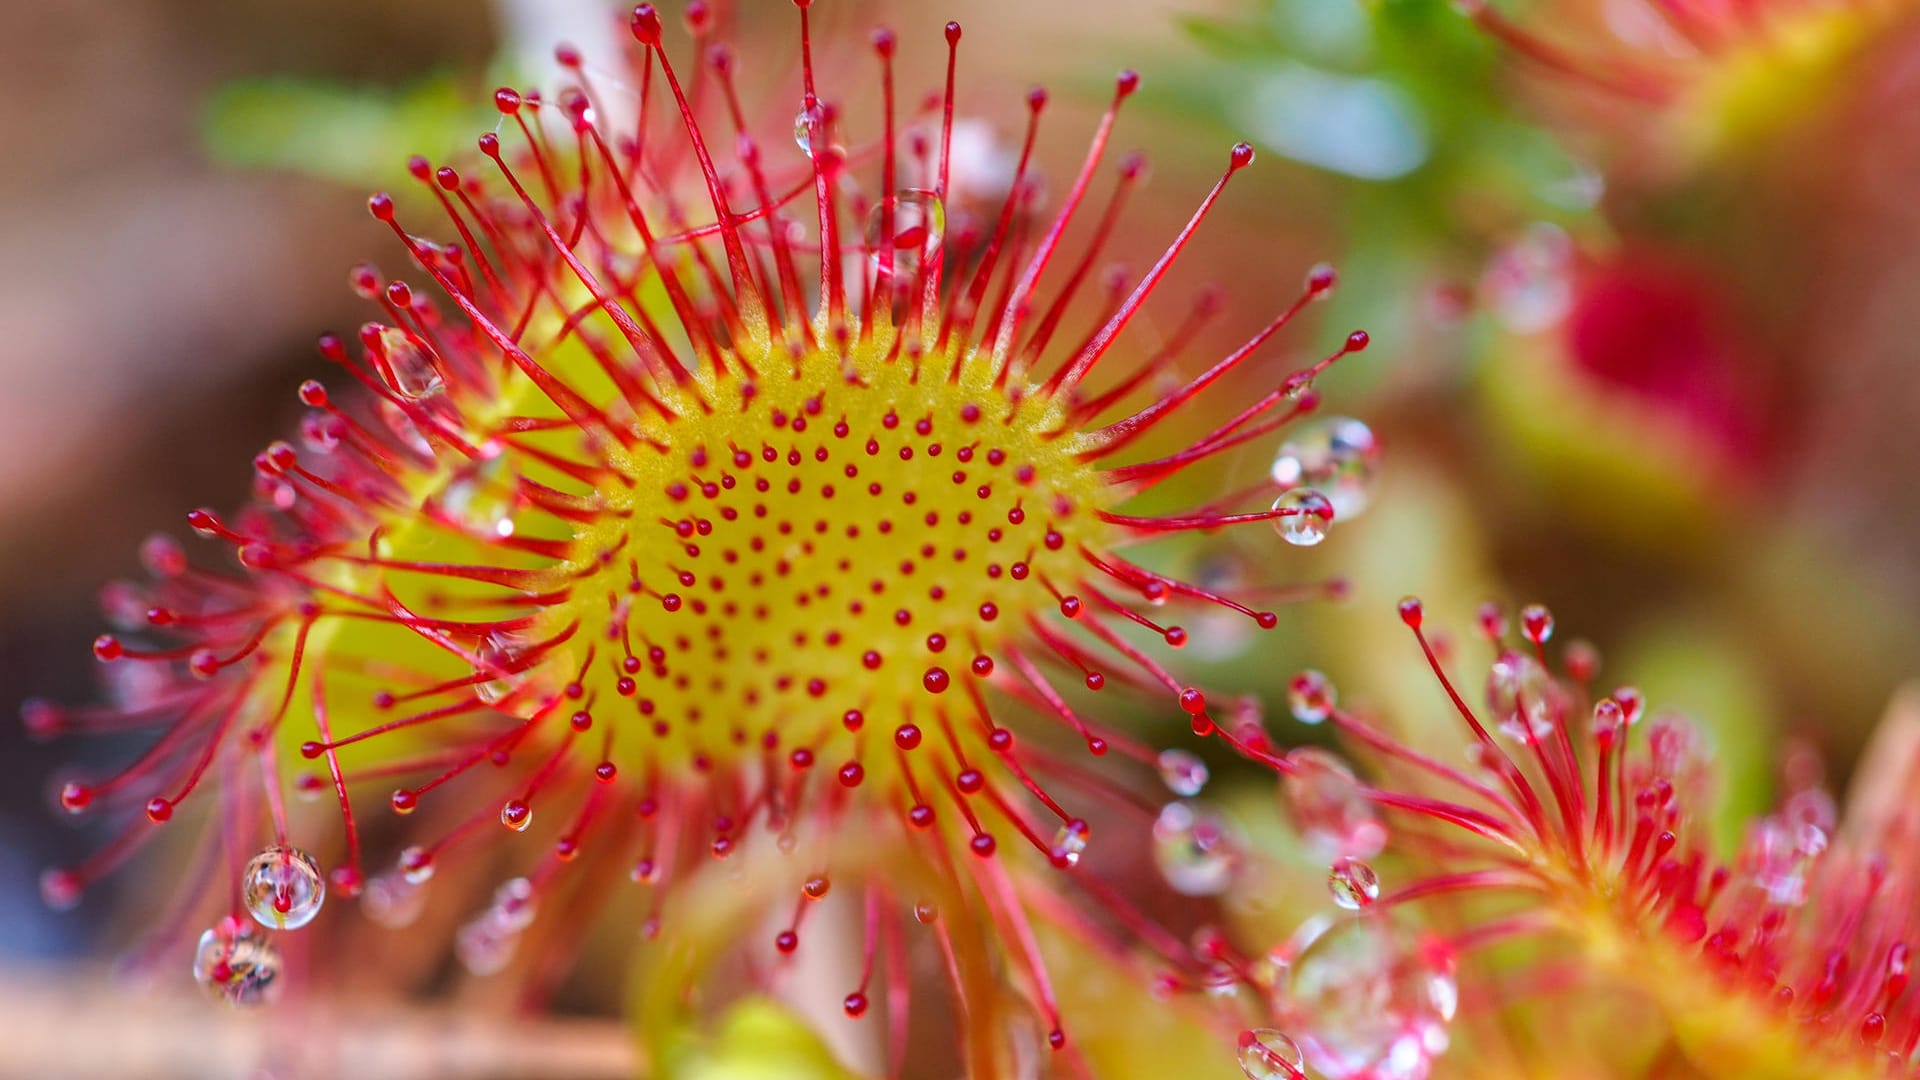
(416, 864)
(1183, 772)
(1352, 883)
(513, 904)
(393, 900)
(1196, 849)
(283, 888)
(1070, 842)
(1529, 283)
(1337, 456)
(1371, 998)
(911, 225)
(1267, 1054)
(1609, 719)
(516, 814)
(1323, 800)
(1522, 696)
(1312, 514)
(484, 947)
(498, 658)
(236, 964)
(410, 369)
(1311, 696)
(805, 123)
(483, 497)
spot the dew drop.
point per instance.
(1529, 283)
(483, 498)
(1323, 800)
(483, 947)
(1522, 696)
(236, 964)
(805, 122)
(1183, 772)
(1266, 1054)
(1070, 842)
(1196, 849)
(1307, 523)
(393, 899)
(515, 814)
(1352, 883)
(416, 863)
(1337, 456)
(918, 221)
(513, 904)
(283, 888)
(411, 371)
(1371, 998)
(1311, 697)
(497, 657)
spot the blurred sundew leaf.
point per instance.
(359, 136)
(760, 1040)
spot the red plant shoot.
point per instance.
(661, 541)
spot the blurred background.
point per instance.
(1652, 364)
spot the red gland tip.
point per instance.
(698, 17)
(1192, 701)
(405, 801)
(419, 167)
(380, 205)
(107, 647)
(1037, 98)
(159, 810)
(1321, 279)
(982, 845)
(1411, 612)
(75, 797)
(906, 736)
(953, 33)
(1242, 155)
(883, 41)
(1126, 82)
(567, 56)
(313, 394)
(1358, 341)
(646, 25)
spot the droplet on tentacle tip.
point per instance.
(1352, 883)
(1323, 800)
(1522, 696)
(1070, 842)
(1311, 696)
(1267, 1054)
(236, 964)
(1305, 516)
(1370, 997)
(1182, 772)
(283, 888)
(1196, 849)
(1337, 456)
